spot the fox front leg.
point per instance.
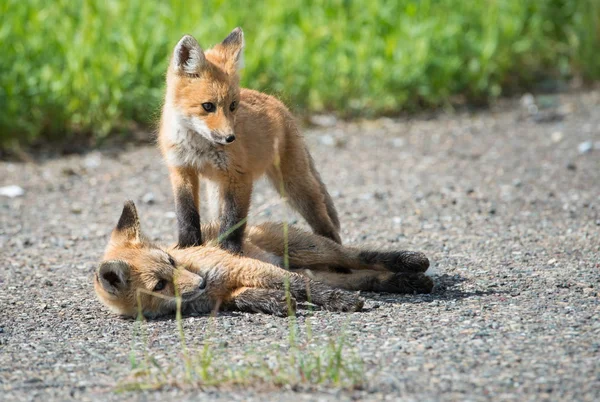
(268, 301)
(185, 189)
(236, 202)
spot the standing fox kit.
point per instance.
(231, 136)
(134, 270)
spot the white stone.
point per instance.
(11, 191)
(585, 147)
(557, 136)
(327, 140)
(323, 120)
(93, 160)
(398, 142)
(148, 198)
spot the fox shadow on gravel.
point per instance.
(445, 289)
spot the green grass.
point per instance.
(93, 67)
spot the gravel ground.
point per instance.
(505, 202)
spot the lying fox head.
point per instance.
(133, 269)
(203, 86)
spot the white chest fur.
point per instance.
(190, 147)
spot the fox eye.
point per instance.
(232, 106)
(160, 285)
(209, 107)
(171, 261)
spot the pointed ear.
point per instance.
(129, 223)
(113, 276)
(233, 49)
(188, 56)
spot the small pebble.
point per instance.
(585, 147)
(327, 140)
(69, 171)
(557, 136)
(148, 198)
(11, 191)
(527, 100)
(93, 160)
(398, 142)
(323, 120)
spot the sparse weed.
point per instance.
(306, 364)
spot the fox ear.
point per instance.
(188, 56)
(233, 49)
(129, 223)
(113, 276)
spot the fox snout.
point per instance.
(191, 286)
(223, 138)
(217, 132)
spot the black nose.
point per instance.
(230, 138)
(202, 284)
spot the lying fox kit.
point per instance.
(231, 136)
(207, 277)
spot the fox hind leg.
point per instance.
(331, 211)
(373, 281)
(406, 283)
(305, 195)
(306, 198)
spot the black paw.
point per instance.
(411, 261)
(397, 261)
(409, 283)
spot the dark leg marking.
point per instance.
(304, 289)
(231, 239)
(270, 301)
(188, 220)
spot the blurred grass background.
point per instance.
(71, 68)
